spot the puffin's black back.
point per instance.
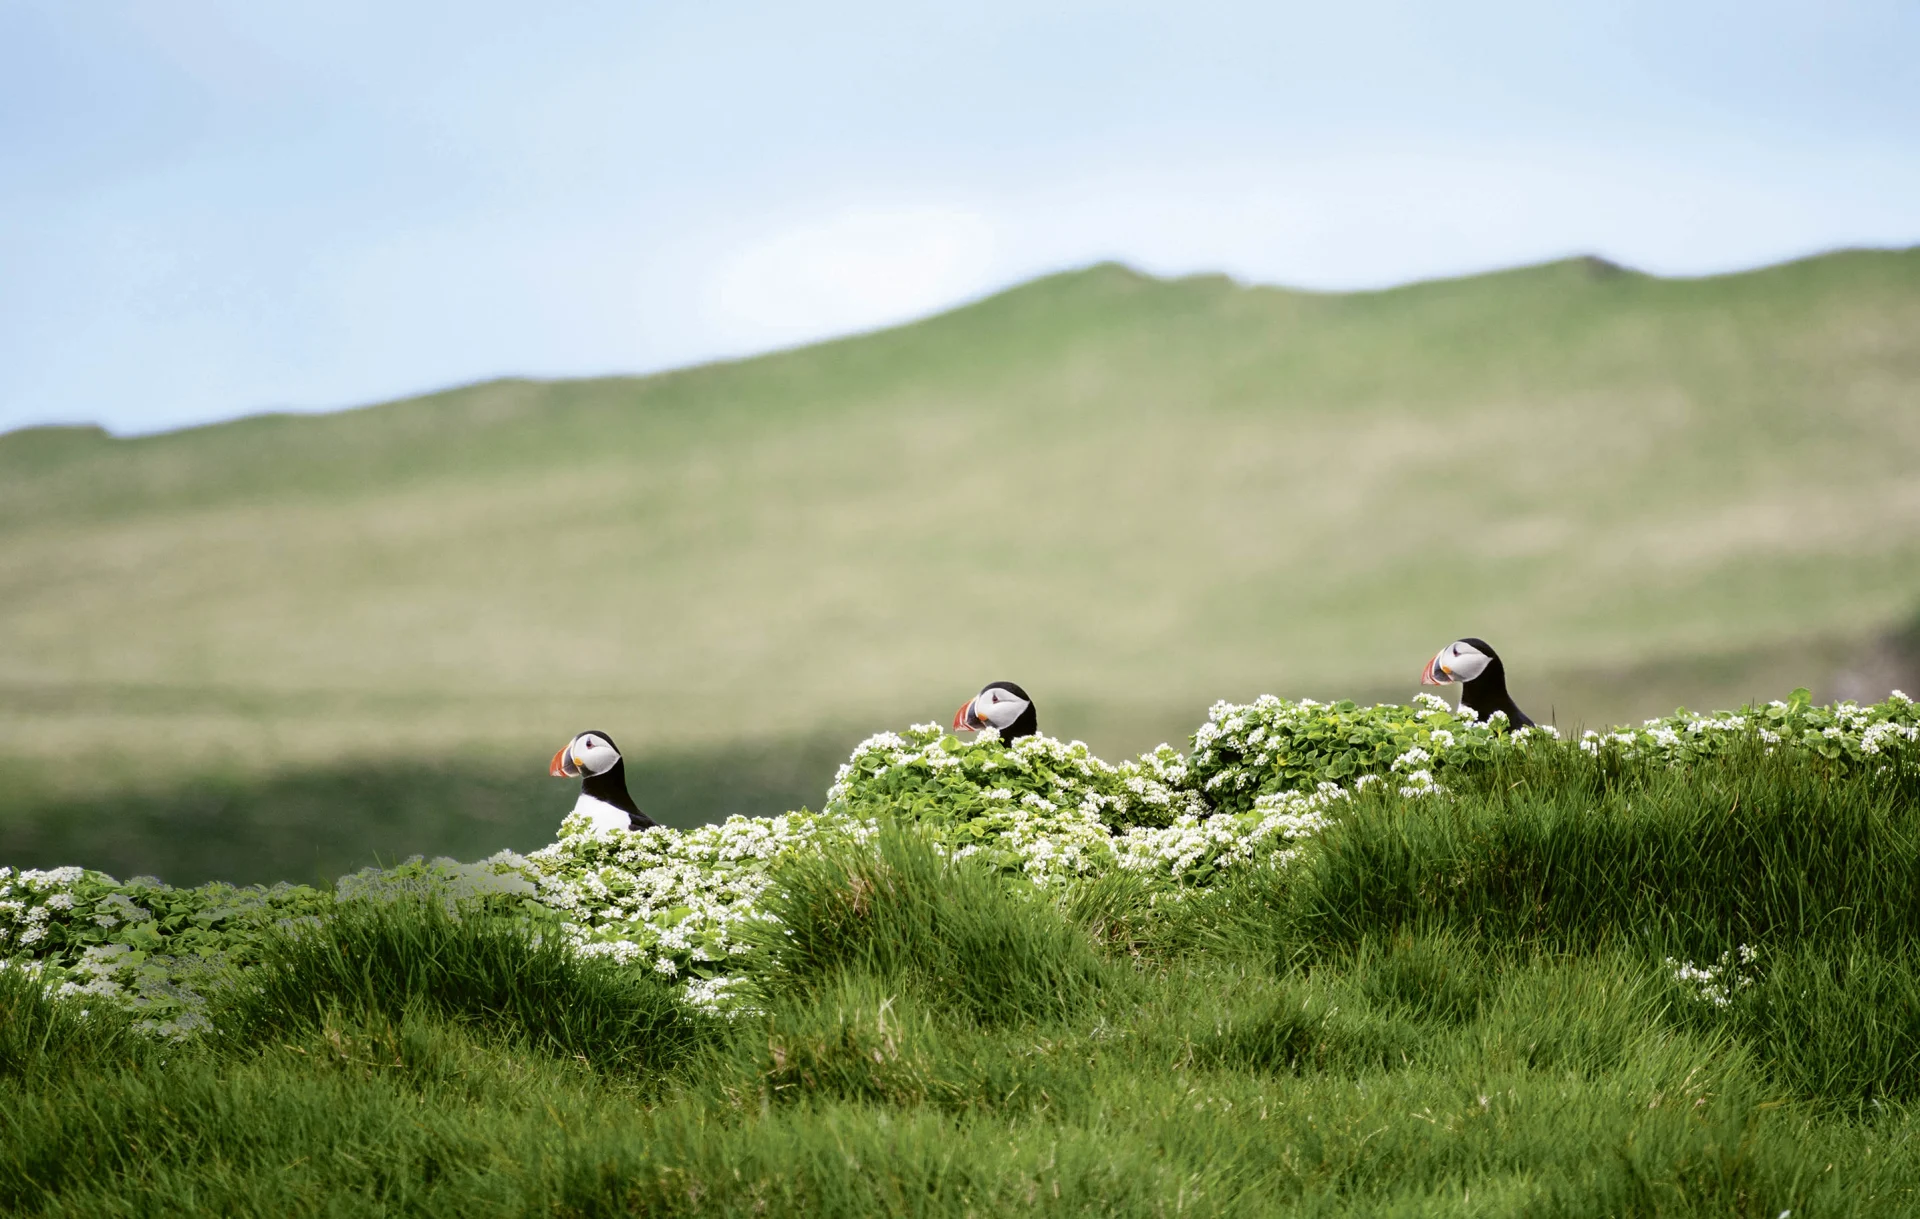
(611, 787)
(1487, 693)
(1029, 721)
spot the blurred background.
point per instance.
(388, 392)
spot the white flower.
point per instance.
(1718, 983)
(1419, 783)
(1412, 757)
(722, 997)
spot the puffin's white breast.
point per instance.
(603, 815)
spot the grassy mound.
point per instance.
(1668, 971)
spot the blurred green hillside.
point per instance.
(285, 645)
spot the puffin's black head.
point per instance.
(586, 755)
(1483, 679)
(1002, 705)
(1460, 661)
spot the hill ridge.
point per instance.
(1100, 273)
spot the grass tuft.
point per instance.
(42, 1040)
(1550, 851)
(393, 961)
(949, 929)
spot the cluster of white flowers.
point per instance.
(1883, 733)
(678, 902)
(1668, 738)
(28, 900)
(1416, 779)
(1247, 750)
(91, 938)
(1419, 783)
(1048, 845)
(1252, 731)
(675, 901)
(1193, 849)
(1717, 983)
(728, 996)
(1841, 730)
(166, 987)
(1057, 774)
(1051, 847)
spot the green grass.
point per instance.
(395, 961)
(1450, 1006)
(1132, 495)
(1760, 849)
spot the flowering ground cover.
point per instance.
(1333, 959)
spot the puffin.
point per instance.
(593, 758)
(1483, 691)
(1002, 705)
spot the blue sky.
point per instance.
(210, 208)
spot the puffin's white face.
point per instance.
(1459, 661)
(587, 754)
(991, 707)
(999, 707)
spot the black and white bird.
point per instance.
(1482, 678)
(1002, 705)
(593, 758)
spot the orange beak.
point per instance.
(963, 718)
(1436, 674)
(562, 767)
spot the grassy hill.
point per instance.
(283, 645)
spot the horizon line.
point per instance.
(968, 302)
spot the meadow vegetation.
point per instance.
(284, 647)
(1333, 960)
